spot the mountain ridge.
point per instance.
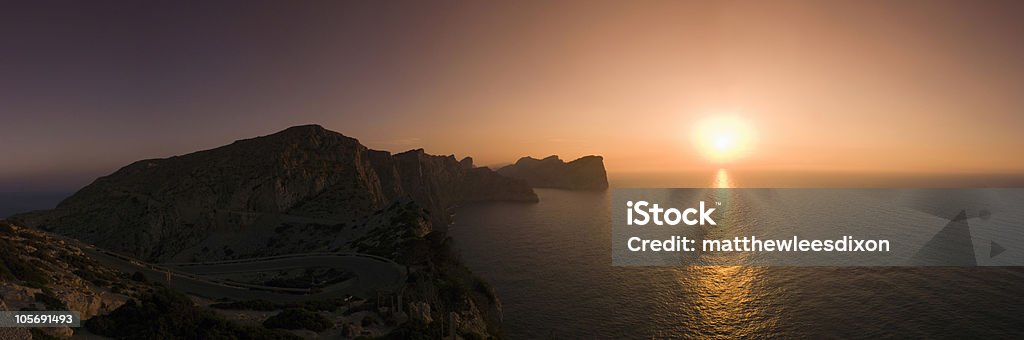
(155, 208)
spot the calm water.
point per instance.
(551, 265)
(18, 202)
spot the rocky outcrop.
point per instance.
(13, 333)
(586, 173)
(440, 292)
(467, 163)
(440, 182)
(39, 271)
(155, 208)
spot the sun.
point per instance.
(723, 139)
(723, 142)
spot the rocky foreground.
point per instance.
(440, 298)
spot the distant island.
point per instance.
(586, 173)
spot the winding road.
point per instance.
(371, 274)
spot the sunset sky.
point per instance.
(904, 86)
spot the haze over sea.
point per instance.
(13, 202)
(551, 266)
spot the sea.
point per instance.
(551, 266)
(14, 202)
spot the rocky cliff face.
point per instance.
(586, 173)
(13, 333)
(41, 272)
(156, 208)
(440, 290)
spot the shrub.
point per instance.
(166, 314)
(367, 321)
(13, 266)
(51, 302)
(99, 279)
(328, 305)
(39, 334)
(259, 304)
(5, 273)
(298, 319)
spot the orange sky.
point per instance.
(934, 87)
(906, 86)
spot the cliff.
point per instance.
(586, 173)
(42, 272)
(156, 208)
(440, 290)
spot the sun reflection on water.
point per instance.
(727, 301)
(722, 179)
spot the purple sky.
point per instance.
(88, 86)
